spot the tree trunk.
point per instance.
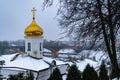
(115, 68)
(110, 42)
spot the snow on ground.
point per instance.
(82, 64)
(90, 55)
(96, 55)
(93, 58)
(64, 77)
(115, 79)
(99, 55)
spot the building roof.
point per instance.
(67, 51)
(50, 60)
(24, 62)
(19, 61)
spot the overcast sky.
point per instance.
(16, 15)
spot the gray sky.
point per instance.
(16, 15)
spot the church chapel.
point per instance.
(32, 60)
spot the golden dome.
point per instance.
(33, 29)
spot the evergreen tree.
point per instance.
(73, 73)
(19, 76)
(12, 77)
(56, 75)
(103, 72)
(1, 77)
(30, 76)
(89, 73)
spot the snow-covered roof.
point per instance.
(24, 62)
(49, 60)
(46, 50)
(19, 62)
(66, 51)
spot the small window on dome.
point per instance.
(29, 46)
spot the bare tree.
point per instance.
(96, 20)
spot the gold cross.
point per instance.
(33, 10)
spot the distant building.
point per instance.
(32, 60)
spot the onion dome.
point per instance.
(33, 29)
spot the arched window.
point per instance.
(29, 46)
(40, 47)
